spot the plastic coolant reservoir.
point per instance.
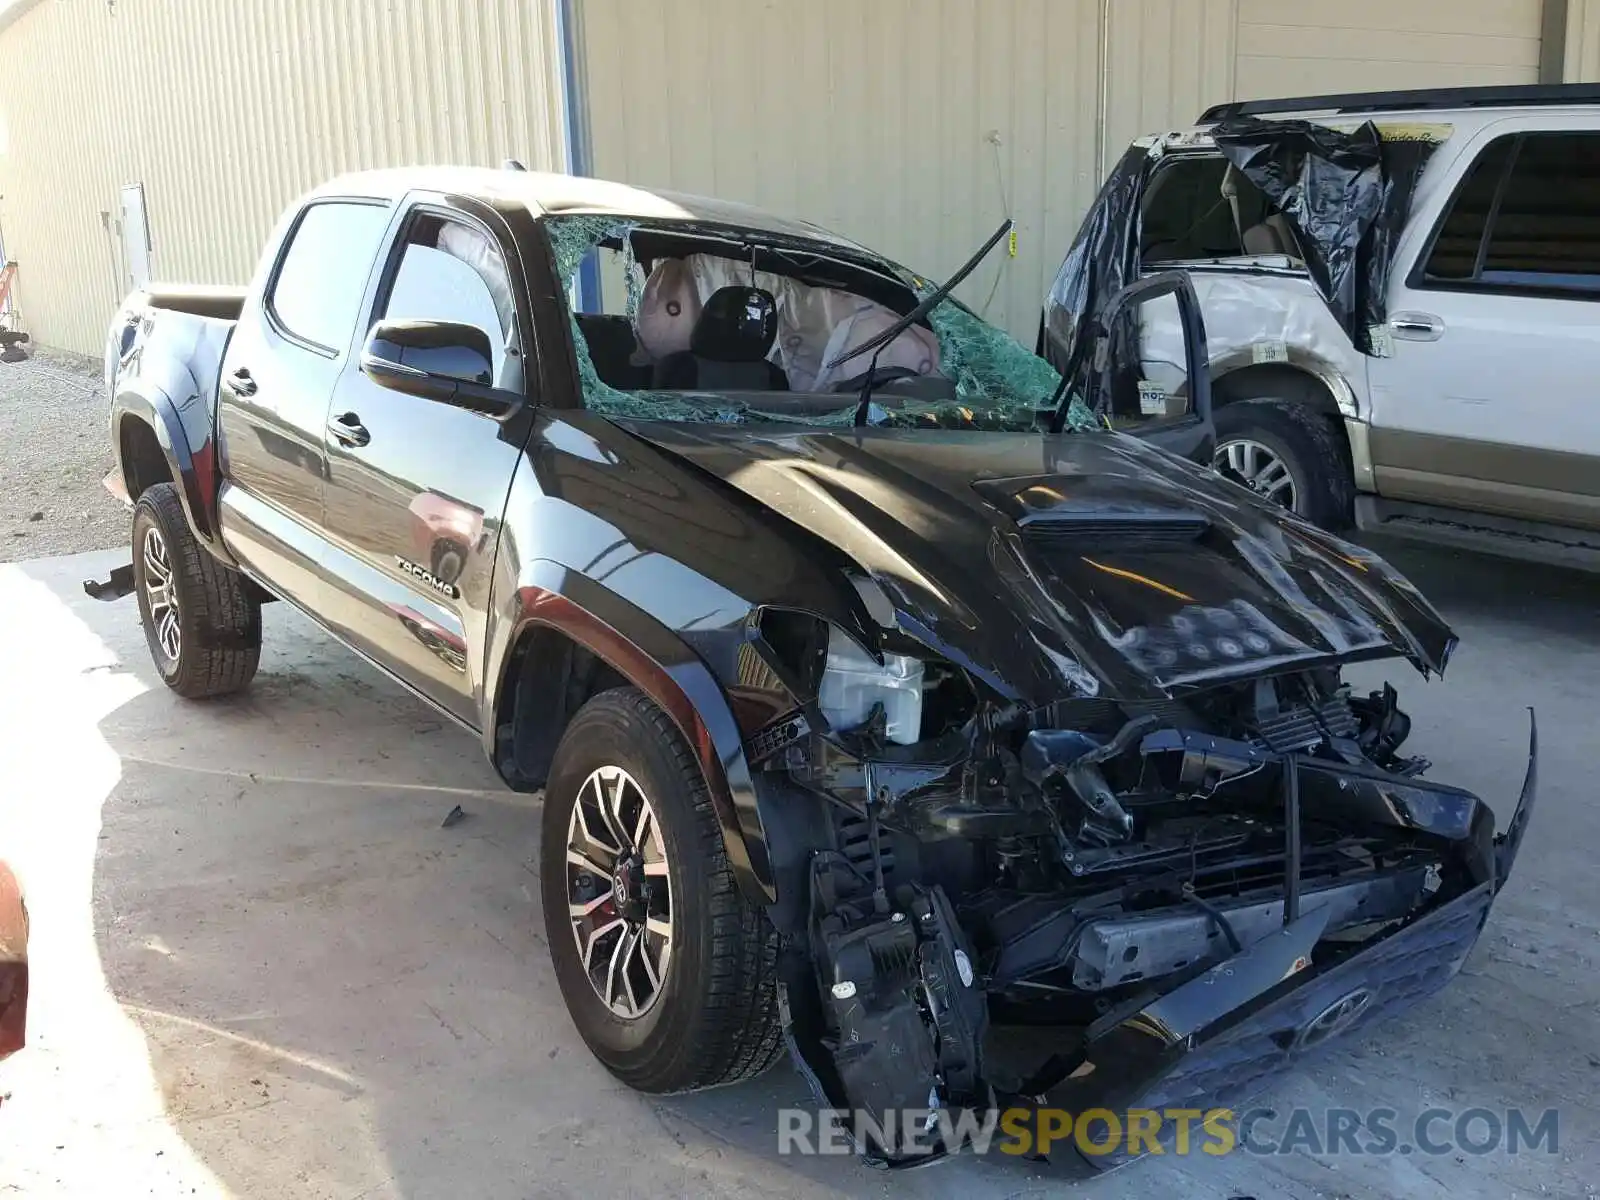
(854, 682)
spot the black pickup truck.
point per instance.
(892, 702)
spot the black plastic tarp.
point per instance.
(1347, 194)
(1102, 260)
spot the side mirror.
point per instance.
(438, 360)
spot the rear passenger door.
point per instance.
(1491, 400)
(277, 374)
(416, 488)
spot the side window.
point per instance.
(1546, 233)
(452, 272)
(1456, 245)
(320, 281)
(1527, 218)
(1185, 214)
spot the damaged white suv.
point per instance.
(1401, 295)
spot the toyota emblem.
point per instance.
(1336, 1018)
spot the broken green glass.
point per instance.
(999, 385)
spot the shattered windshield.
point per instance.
(677, 321)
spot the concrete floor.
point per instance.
(263, 969)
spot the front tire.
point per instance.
(1290, 454)
(668, 970)
(201, 620)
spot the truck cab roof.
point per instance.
(548, 193)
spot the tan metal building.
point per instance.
(912, 125)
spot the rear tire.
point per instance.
(201, 620)
(1312, 471)
(710, 1016)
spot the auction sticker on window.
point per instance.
(1152, 398)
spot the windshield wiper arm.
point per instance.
(928, 303)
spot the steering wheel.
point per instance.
(879, 375)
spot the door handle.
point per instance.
(241, 383)
(1416, 326)
(347, 430)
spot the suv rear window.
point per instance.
(1190, 215)
(1527, 217)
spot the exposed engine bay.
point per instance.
(1008, 889)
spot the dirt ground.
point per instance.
(54, 450)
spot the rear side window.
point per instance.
(323, 274)
(1186, 215)
(1460, 236)
(1196, 207)
(1546, 233)
(1526, 219)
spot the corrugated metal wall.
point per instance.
(1367, 45)
(1582, 48)
(910, 125)
(913, 125)
(227, 109)
(1166, 63)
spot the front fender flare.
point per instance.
(658, 662)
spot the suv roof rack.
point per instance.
(1506, 95)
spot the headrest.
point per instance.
(739, 324)
(668, 309)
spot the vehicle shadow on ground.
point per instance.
(340, 997)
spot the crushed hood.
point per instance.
(1076, 564)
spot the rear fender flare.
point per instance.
(657, 661)
(184, 435)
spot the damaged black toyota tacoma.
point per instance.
(896, 700)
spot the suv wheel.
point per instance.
(668, 971)
(1288, 453)
(201, 622)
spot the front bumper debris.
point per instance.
(1216, 1040)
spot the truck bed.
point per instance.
(200, 300)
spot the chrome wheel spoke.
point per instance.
(644, 827)
(589, 798)
(610, 791)
(169, 632)
(633, 950)
(584, 862)
(651, 971)
(609, 995)
(588, 941)
(1260, 468)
